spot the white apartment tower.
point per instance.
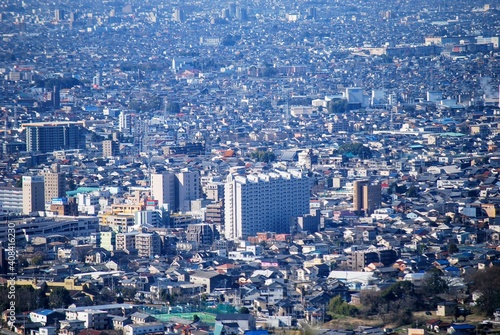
(176, 189)
(264, 202)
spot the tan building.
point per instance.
(33, 194)
(55, 185)
(110, 148)
(366, 197)
(126, 241)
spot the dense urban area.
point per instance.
(308, 167)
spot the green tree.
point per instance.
(60, 297)
(357, 149)
(263, 156)
(435, 284)
(452, 248)
(398, 290)
(244, 310)
(338, 306)
(412, 192)
(487, 283)
(337, 106)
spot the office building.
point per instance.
(52, 136)
(55, 185)
(176, 189)
(366, 197)
(33, 194)
(264, 202)
(110, 148)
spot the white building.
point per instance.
(125, 122)
(264, 202)
(176, 189)
(145, 328)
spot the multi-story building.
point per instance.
(55, 185)
(366, 197)
(176, 189)
(358, 260)
(51, 136)
(126, 241)
(201, 233)
(125, 122)
(147, 244)
(33, 194)
(110, 148)
(264, 202)
(11, 199)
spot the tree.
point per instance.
(487, 283)
(412, 192)
(452, 248)
(60, 297)
(337, 305)
(398, 290)
(337, 106)
(434, 284)
(357, 149)
(263, 156)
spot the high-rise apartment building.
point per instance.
(176, 189)
(125, 122)
(264, 202)
(33, 194)
(366, 197)
(52, 136)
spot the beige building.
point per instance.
(55, 185)
(110, 148)
(148, 244)
(126, 241)
(33, 194)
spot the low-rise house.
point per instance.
(144, 328)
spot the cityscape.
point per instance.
(238, 167)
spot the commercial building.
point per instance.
(264, 202)
(33, 194)
(51, 136)
(55, 185)
(366, 197)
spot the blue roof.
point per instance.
(45, 312)
(256, 332)
(442, 261)
(462, 326)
